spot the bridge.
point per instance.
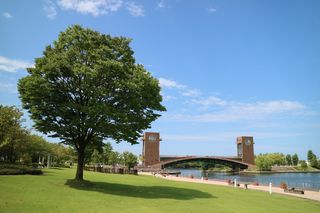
(152, 158)
(233, 162)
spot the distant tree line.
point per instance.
(19, 145)
(313, 160)
(264, 162)
(201, 165)
(107, 156)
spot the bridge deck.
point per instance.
(235, 162)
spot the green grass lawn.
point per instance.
(56, 192)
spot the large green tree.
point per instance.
(87, 87)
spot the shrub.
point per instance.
(303, 165)
(264, 163)
(13, 169)
(21, 172)
(35, 165)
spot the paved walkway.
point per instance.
(312, 195)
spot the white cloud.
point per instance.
(236, 111)
(210, 101)
(211, 10)
(216, 109)
(191, 93)
(183, 89)
(7, 15)
(170, 84)
(168, 97)
(134, 9)
(50, 9)
(10, 65)
(93, 7)
(225, 136)
(268, 107)
(161, 4)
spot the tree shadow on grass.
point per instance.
(147, 192)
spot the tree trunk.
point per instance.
(79, 174)
(48, 161)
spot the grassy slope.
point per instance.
(52, 192)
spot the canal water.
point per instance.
(309, 181)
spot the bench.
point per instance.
(293, 190)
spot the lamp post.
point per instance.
(270, 188)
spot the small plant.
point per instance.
(283, 185)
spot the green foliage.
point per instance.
(310, 155)
(129, 159)
(303, 165)
(37, 147)
(314, 162)
(204, 165)
(61, 154)
(107, 151)
(19, 146)
(10, 123)
(312, 158)
(108, 156)
(114, 158)
(277, 158)
(264, 162)
(289, 159)
(87, 87)
(13, 137)
(96, 157)
(295, 159)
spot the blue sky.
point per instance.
(226, 67)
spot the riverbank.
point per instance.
(312, 195)
(281, 169)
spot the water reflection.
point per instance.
(298, 180)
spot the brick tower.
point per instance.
(150, 149)
(245, 149)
